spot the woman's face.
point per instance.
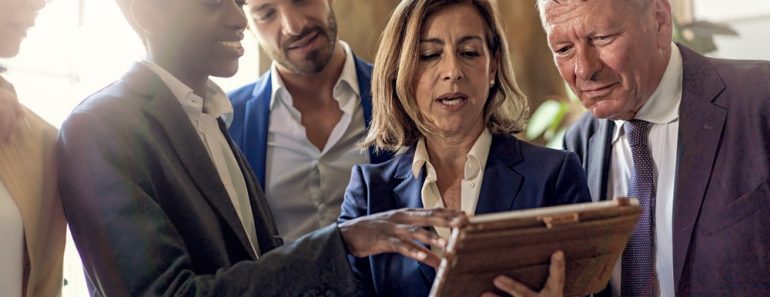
(16, 16)
(454, 71)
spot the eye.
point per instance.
(264, 15)
(603, 39)
(470, 54)
(429, 56)
(563, 51)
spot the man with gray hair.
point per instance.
(689, 136)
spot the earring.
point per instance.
(491, 83)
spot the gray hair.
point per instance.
(641, 5)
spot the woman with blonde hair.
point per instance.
(444, 94)
(32, 224)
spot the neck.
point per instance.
(311, 83)
(193, 79)
(451, 152)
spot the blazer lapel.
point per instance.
(267, 232)
(256, 140)
(501, 183)
(170, 116)
(598, 164)
(701, 122)
(408, 194)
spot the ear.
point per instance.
(664, 22)
(493, 67)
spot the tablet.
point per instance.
(519, 244)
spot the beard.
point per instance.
(316, 60)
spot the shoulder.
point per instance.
(586, 126)
(244, 94)
(746, 82)
(397, 167)
(544, 157)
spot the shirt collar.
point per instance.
(663, 105)
(216, 103)
(348, 79)
(477, 156)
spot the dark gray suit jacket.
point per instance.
(151, 217)
(722, 193)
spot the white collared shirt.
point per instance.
(471, 183)
(203, 114)
(304, 185)
(12, 249)
(662, 111)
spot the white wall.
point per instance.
(751, 18)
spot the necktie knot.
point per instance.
(637, 132)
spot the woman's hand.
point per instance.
(396, 232)
(554, 286)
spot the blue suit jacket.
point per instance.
(518, 175)
(251, 117)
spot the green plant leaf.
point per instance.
(543, 118)
(557, 141)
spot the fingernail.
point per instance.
(441, 242)
(559, 255)
(421, 255)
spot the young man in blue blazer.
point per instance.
(299, 123)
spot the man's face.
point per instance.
(16, 16)
(612, 53)
(201, 37)
(299, 35)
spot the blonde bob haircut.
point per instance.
(396, 120)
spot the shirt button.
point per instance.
(473, 185)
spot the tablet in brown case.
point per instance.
(519, 244)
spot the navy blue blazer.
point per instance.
(517, 175)
(251, 117)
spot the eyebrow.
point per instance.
(462, 40)
(261, 7)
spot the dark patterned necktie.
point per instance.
(637, 269)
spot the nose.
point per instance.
(588, 64)
(292, 22)
(450, 69)
(236, 18)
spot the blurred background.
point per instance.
(79, 46)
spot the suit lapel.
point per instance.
(174, 122)
(598, 165)
(256, 140)
(700, 128)
(501, 183)
(408, 194)
(267, 233)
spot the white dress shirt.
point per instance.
(470, 185)
(662, 111)
(12, 248)
(304, 185)
(203, 114)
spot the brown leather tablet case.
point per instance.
(519, 244)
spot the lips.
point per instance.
(598, 91)
(303, 41)
(452, 100)
(233, 46)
